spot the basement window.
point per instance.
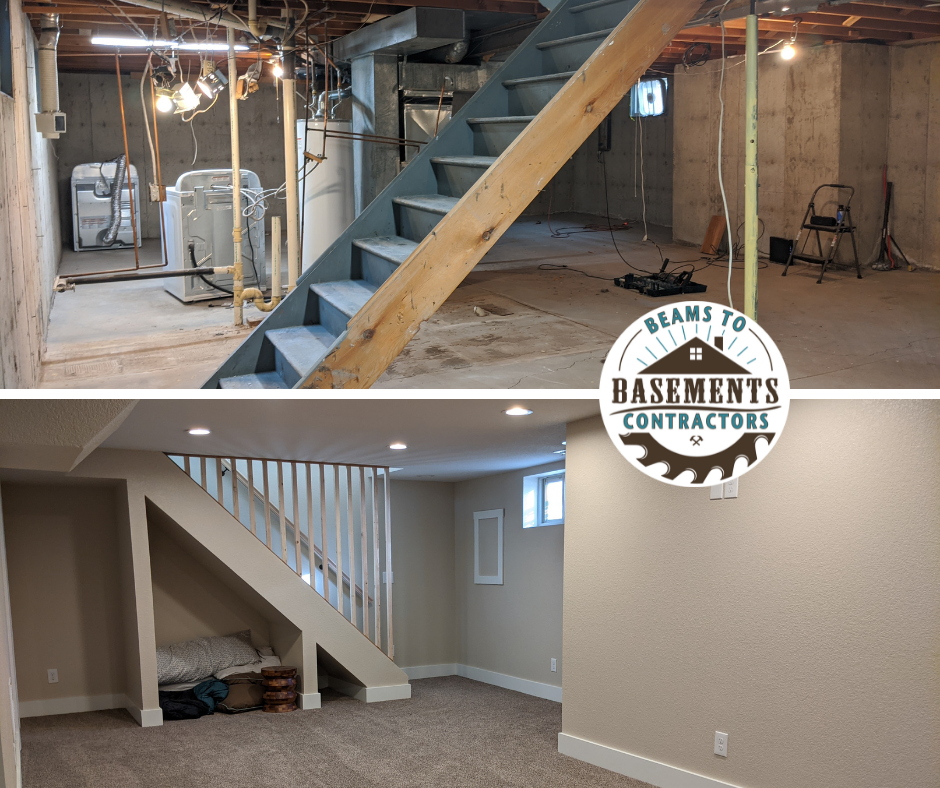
(6, 50)
(543, 499)
(648, 98)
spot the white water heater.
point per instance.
(327, 190)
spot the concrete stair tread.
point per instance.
(484, 162)
(596, 4)
(393, 248)
(502, 119)
(564, 76)
(348, 295)
(301, 346)
(257, 380)
(560, 42)
(432, 203)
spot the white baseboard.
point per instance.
(146, 718)
(536, 688)
(43, 708)
(371, 694)
(308, 700)
(431, 671)
(643, 769)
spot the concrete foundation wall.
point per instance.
(914, 151)
(29, 236)
(95, 134)
(579, 185)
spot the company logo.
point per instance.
(694, 394)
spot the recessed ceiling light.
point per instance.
(397, 446)
(518, 412)
(560, 451)
(564, 443)
(198, 431)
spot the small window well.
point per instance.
(648, 98)
(543, 499)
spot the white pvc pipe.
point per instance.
(290, 169)
(48, 71)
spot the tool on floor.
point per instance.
(886, 261)
(838, 225)
(662, 284)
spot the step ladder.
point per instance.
(837, 226)
(359, 304)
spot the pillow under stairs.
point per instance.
(196, 659)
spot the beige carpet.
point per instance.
(453, 732)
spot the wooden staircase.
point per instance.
(356, 308)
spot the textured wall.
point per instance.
(423, 594)
(914, 151)
(803, 618)
(514, 628)
(64, 590)
(95, 134)
(29, 235)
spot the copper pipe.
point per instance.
(156, 141)
(440, 104)
(127, 156)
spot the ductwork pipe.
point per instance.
(117, 186)
(48, 70)
(253, 17)
(192, 11)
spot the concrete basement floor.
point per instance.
(546, 328)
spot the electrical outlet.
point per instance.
(731, 488)
(554, 668)
(721, 744)
(53, 675)
(717, 492)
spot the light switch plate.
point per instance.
(731, 488)
(717, 492)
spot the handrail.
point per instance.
(365, 543)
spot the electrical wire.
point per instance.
(721, 131)
(192, 128)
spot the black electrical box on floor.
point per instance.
(661, 284)
(780, 249)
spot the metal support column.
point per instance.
(238, 281)
(290, 163)
(751, 172)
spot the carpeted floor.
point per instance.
(453, 732)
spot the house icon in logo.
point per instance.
(696, 357)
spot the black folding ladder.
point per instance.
(838, 225)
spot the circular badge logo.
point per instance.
(694, 394)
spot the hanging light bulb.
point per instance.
(278, 71)
(164, 103)
(788, 52)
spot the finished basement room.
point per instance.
(461, 593)
(467, 194)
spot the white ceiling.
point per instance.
(448, 439)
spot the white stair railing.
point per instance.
(329, 522)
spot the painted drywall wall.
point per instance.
(514, 629)
(9, 704)
(423, 591)
(95, 134)
(191, 602)
(802, 618)
(823, 119)
(65, 590)
(914, 151)
(29, 220)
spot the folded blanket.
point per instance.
(182, 706)
(211, 691)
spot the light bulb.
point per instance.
(164, 103)
(278, 71)
(788, 53)
(397, 446)
(517, 411)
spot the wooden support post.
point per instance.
(376, 577)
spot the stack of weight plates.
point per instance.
(280, 689)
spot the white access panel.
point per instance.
(198, 211)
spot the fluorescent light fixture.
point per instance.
(198, 431)
(397, 446)
(517, 411)
(204, 46)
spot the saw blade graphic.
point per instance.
(745, 447)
